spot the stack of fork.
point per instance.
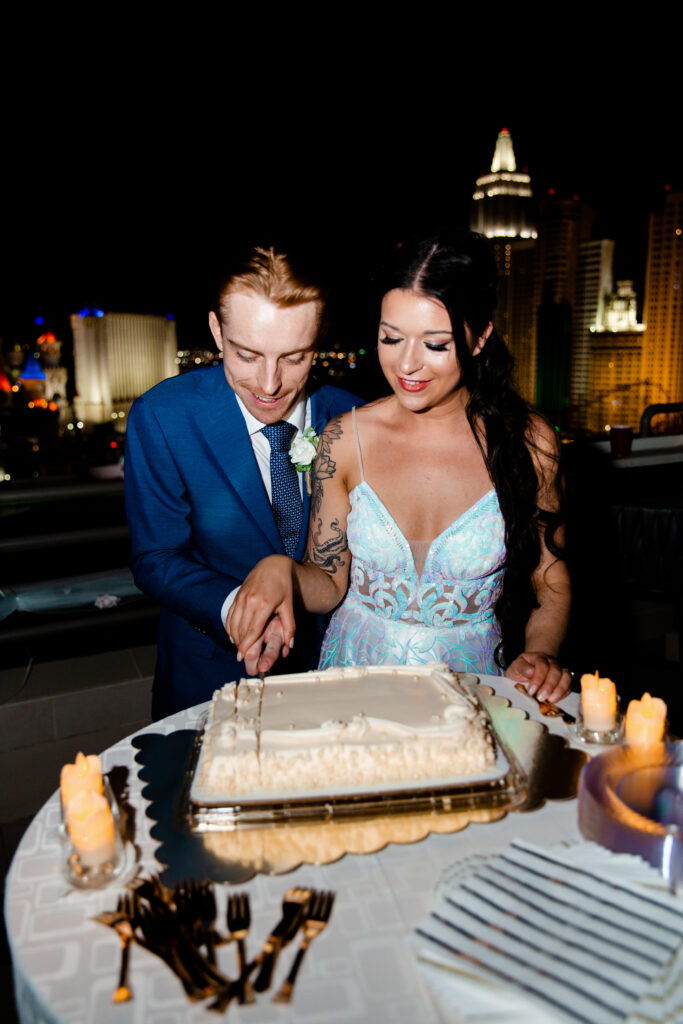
(179, 927)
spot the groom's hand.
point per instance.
(263, 654)
(264, 599)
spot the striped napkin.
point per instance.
(564, 933)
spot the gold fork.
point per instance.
(319, 910)
(124, 930)
(294, 906)
(238, 920)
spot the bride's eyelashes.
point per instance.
(433, 346)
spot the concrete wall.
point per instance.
(58, 708)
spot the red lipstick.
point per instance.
(412, 386)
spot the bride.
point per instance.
(434, 511)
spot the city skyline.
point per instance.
(132, 234)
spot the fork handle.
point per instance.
(225, 997)
(122, 993)
(269, 957)
(246, 990)
(285, 993)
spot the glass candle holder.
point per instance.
(603, 737)
(91, 836)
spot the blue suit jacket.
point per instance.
(199, 520)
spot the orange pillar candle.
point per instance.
(598, 703)
(645, 720)
(91, 828)
(85, 774)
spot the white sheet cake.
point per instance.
(339, 729)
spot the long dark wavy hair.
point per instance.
(459, 270)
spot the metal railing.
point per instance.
(657, 410)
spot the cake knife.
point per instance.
(547, 708)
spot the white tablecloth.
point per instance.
(362, 968)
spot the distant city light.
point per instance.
(39, 320)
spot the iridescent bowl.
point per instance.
(631, 801)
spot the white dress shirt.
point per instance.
(299, 417)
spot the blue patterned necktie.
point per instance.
(286, 499)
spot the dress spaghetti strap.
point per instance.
(355, 434)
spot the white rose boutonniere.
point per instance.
(303, 448)
(302, 452)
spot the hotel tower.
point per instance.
(503, 210)
(662, 360)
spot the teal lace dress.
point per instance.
(411, 602)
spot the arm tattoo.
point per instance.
(325, 466)
(328, 553)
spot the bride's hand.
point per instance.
(263, 612)
(262, 655)
(541, 674)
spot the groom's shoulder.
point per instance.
(183, 388)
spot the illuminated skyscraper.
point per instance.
(593, 288)
(614, 392)
(502, 209)
(663, 313)
(501, 204)
(117, 356)
(563, 225)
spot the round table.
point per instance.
(362, 968)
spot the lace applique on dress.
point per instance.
(395, 613)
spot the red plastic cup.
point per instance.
(620, 438)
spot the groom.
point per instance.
(210, 487)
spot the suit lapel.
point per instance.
(223, 424)
(229, 438)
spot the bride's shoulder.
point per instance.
(376, 412)
(544, 447)
(541, 437)
(341, 433)
(337, 434)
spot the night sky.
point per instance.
(128, 200)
